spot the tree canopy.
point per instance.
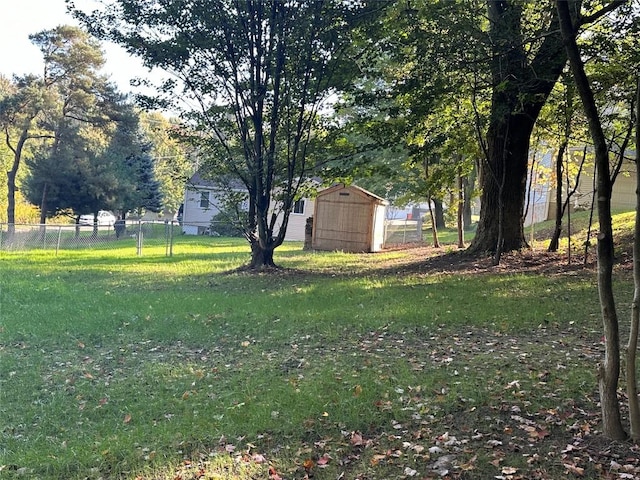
(81, 138)
(252, 78)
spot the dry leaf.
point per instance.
(273, 475)
(574, 469)
(356, 439)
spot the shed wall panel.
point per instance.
(343, 222)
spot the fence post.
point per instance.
(139, 239)
(404, 232)
(58, 240)
(168, 236)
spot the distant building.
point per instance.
(202, 204)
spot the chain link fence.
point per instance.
(18, 237)
(403, 231)
(143, 234)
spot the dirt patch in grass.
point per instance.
(425, 259)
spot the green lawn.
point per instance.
(154, 367)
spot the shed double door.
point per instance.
(343, 223)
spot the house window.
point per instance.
(298, 206)
(204, 199)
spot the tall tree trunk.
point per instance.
(460, 213)
(43, 204)
(587, 242)
(468, 184)
(439, 213)
(434, 226)
(632, 346)
(11, 201)
(609, 370)
(11, 180)
(504, 187)
(557, 231)
(520, 88)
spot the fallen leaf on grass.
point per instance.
(410, 472)
(356, 439)
(574, 469)
(127, 418)
(470, 465)
(273, 475)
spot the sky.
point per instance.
(18, 55)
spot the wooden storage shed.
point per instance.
(350, 219)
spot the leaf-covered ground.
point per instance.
(451, 436)
(429, 403)
(504, 438)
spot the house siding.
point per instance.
(623, 195)
(196, 219)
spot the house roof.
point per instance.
(355, 189)
(197, 181)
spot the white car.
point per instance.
(104, 219)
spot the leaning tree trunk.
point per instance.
(11, 182)
(434, 225)
(609, 370)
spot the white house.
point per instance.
(541, 188)
(201, 205)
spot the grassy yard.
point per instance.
(342, 366)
